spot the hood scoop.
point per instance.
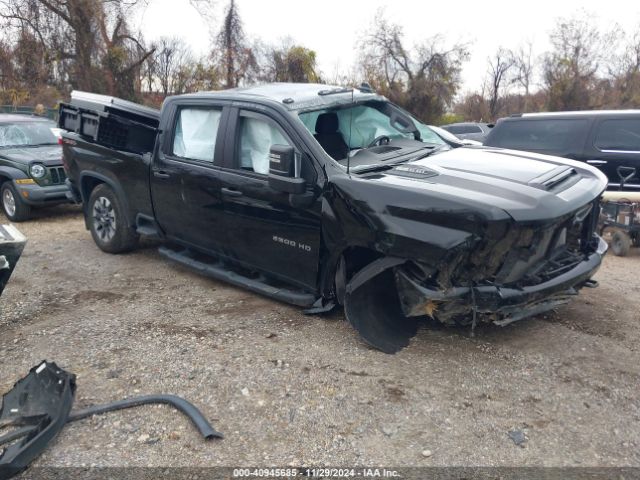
(413, 171)
(556, 177)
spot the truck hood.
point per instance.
(527, 186)
(46, 154)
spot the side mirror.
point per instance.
(283, 167)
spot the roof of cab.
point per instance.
(15, 117)
(295, 96)
(578, 113)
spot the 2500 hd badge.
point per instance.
(292, 243)
(383, 216)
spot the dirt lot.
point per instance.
(287, 388)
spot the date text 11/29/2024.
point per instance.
(315, 473)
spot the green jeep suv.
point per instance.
(31, 171)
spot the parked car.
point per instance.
(607, 139)
(31, 171)
(469, 130)
(318, 196)
(452, 139)
(12, 243)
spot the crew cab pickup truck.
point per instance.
(322, 196)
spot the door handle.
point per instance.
(597, 162)
(230, 192)
(161, 174)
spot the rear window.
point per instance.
(619, 135)
(552, 135)
(458, 129)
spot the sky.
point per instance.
(333, 28)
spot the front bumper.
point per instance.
(37, 195)
(499, 304)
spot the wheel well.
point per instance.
(356, 258)
(352, 260)
(3, 179)
(88, 185)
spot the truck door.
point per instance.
(616, 144)
(185, 183)
(265, 231)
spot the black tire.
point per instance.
(107, 222)
(620, 244)
(13, 206)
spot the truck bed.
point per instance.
(110, 121)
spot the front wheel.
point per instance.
(14, 208)
(107, 221)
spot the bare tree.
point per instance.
(625, 75)
(86, 42)
(570, 69)
(500, 66)
(524, 69)
(423, 79)
(173, 57)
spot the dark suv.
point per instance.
(31, 171)
(607, 139)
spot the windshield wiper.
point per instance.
(386, 166)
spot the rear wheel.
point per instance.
(13, 206)
(620, 243)
(107, 221)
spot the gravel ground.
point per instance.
(286, 388)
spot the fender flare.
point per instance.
(115, 186)
(12, 173)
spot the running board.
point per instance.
(220, 272)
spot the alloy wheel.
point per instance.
(9, 202)
(104, 219)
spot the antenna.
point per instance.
(350, 125)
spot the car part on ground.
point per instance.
(39, 405)
(12, 243)
(201, 423)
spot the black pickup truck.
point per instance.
(318, 196)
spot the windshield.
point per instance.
(25, 134)
(341, 130)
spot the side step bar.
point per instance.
(219, 272)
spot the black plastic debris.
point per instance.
(201, 423)
(39, 406)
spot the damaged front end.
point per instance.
(511, 272)
(12, 243)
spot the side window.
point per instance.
(256, 137)
(195, 133)
(620, 134)
(552, 135)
